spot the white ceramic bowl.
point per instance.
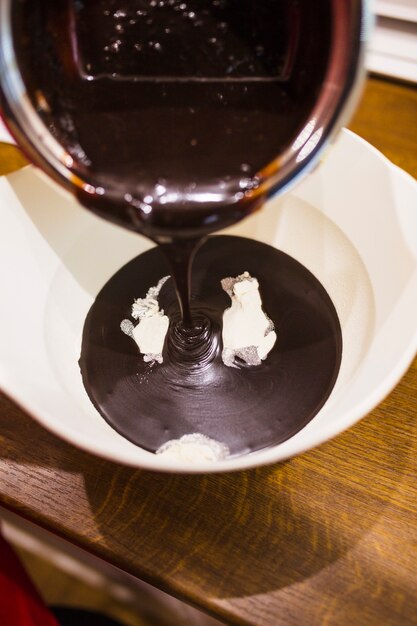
(353, 223)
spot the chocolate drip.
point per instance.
(180, 254)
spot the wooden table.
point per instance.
(325, 539)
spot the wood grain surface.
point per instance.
(326, 539)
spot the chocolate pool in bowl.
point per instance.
(247, 408)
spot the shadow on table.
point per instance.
(222, 536)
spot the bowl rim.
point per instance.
(274, 454)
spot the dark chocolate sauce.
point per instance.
(192, 391)
(172, 113)
(173, 110)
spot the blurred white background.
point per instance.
(393, 46)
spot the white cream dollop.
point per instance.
(150, 335)
(150, 332)
(194, 448)
(248, 334)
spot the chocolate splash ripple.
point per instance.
(193, 349)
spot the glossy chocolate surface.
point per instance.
(249, 408)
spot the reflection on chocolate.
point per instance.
(192, 391)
